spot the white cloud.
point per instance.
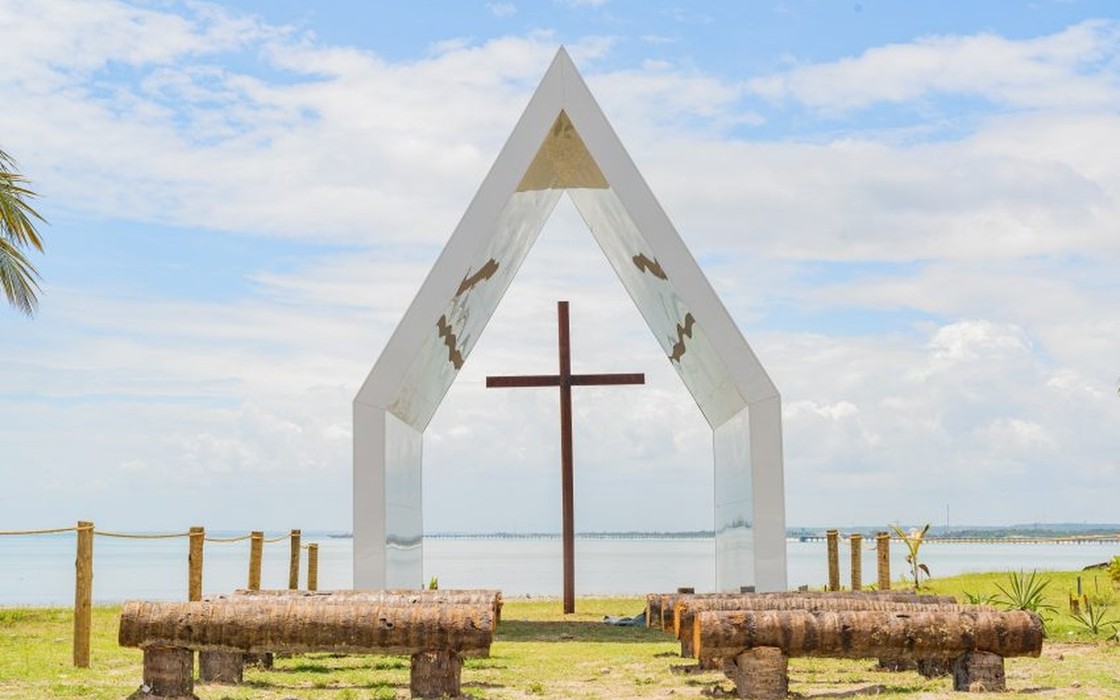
(319, 153)
(1022, 436)
(978, 339)
(502, 9)
(1061, 70)
(865, 200)
(45, 43)
(999, 417)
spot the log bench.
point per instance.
(685, 611)
(437, 636)
(402, 596)
(228, 667)
(399, 596)
(660, 607)
(754, 646)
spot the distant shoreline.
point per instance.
(1013, 533)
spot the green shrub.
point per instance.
(1114, 569)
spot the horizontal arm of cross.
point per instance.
(524, 380)
(536, 380)
(599, 379)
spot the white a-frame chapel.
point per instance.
(563, 143)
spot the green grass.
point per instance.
(541, 653)
(1060, 625)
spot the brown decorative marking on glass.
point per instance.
(453, 355)
(484, 273)
(651, 266)
(562, 162)
(683, 332)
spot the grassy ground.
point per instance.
(541, 653)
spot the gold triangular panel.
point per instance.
(562, 162)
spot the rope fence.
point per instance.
(48, 531)
(83, 565)
(141, 536)
(239, 538)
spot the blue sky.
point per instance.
(909, 208)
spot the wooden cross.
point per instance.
(566, 380)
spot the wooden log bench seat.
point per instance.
(436, 635)
(228, 667)
(400, 596)
(660, 607)
(754, 646)
(685, 611)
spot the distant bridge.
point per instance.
(1062, 539)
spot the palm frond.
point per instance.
(18, 278)
(17, 216)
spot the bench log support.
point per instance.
(979, 672)
(761, 673)
(220, 666)
(435, 674)
(168, 674)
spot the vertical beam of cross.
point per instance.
(566, 380)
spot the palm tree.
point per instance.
(18, 276)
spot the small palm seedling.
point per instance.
(913, 541)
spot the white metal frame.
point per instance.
(563, 143)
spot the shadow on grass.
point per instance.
(576, 631)
(481, 684)
(880, 689)
(306, 668)
(876, 689)
(319, 663)
(281, 678)
(369, 685)
(718, 690)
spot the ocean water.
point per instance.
(39, 570)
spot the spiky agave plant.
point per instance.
(1094, 618)
(1026, 592)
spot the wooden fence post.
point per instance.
(883, 546)
(856, 540)
(194, 563)
(83, 594)
(256, 546)
(312, 567)
(293, 565)
(833, 538)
